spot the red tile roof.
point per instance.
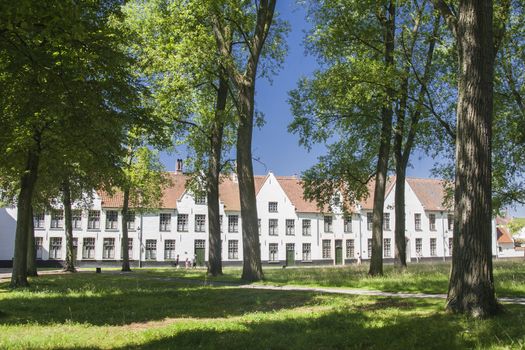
(293, 187)
(504, 235)
(430, 192)
(368, 202)
(503, 220)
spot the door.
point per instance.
(199, 251)
(338, 252)
(290, 254)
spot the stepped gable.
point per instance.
(170, 195)
(504, 235)
(293, 187)
(430, 192)
(368, 202)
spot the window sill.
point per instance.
(274, 262)
(170, 231)
(56, 229)
(93, 230)
(112, 230)
(39, 228)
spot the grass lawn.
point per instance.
(141, 311)
(419, 278)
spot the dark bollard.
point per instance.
(99, 270)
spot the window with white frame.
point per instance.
(350, 248)
(130, 250)
(39, 247)
(419, 246)
(273, 250)
(151, 249)
(432, 222)
(169, 249)
(88, 248)
(307, 227)
(233, 223)
(111, 220)
(450, 219)
(387, 248)
(108, 251)
(417, 221)
(200, 223)
(76, 219)
(307, 252)
(369, 221)
(38, 220)
(450, 245)
(347, 224)
(386, 221)
(272, 207)
(200, 200)
(369, 246)
(290, 227)
(57, 218)
(165, 222)
(273, 227)
(182, 223)
(75, 248)
(131, 220)
(55, 248)
(327, 249)
(328, 227)
(233, 249)
(94, 220)
(433, 244)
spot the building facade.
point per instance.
(293, 231)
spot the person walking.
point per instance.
(194, 261)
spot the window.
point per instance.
(432, 222)
(233, 249)
(39, 247)
(200, 222)
(347, 224)
(108, 251)
(369, 220)
(450, 219)
(165, 222)
(169, 249)
(417, 221)
(350, 248)
(76, 218)
(57, 219)
(273, 229)
(151, 249)
(38, 220)
(290, 227)
(386, 221)
(419, 245)
(327, 224)
(75, 248)
(200, 243)
(369, 247)
(55, 248)
(327, 249)
(200, 200)
(307, 252)
(130, 249)
(273, 252)
(182, 222)
(131, 220)
(433, 247)
(111, 220)
(94, 220)
(450, 245)
(387, 248)
(88, 251)
(307, 227)
(259, 225)
(233, 223)
(272, 207)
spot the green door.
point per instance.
(290, 254)
(338, 252)
(199, 251)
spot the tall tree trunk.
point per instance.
(31, 248)
(376, 262)
(401, 247)
(125, 236)
(25, 196)
(213, 177)
(252, 268)
(471, 286)
(69, 265)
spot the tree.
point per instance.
(471, 285)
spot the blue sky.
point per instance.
(277, 149)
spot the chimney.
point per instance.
(179, 166)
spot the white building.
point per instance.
(292, 230)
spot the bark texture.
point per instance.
(25, 196)
(31, 248)
(125, 237)
(471, 286)
(69, 264)
(376, 261)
